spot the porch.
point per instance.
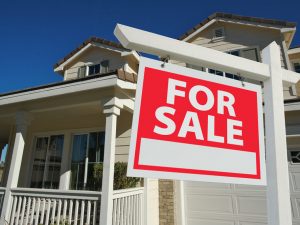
(41, 206)
(55, 143)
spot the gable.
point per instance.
(93, 55)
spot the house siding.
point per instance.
(238, 37)
(94, 55)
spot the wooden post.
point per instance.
(278, 191)
(111, 112)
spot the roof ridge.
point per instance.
(237, 17)
(86, 42)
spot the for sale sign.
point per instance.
(192, 125)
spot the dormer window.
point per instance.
(100, 68)
(94, 69)
(219, 33)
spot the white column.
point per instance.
(64, 181)
(111, 113)
(179, 203)
(151, 202)
(22, 122)
(278, 191)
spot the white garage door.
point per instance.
(228, 204)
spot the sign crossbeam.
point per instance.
(270, 72)
(163, 46)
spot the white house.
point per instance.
(57, 134)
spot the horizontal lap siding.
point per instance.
(94, 56)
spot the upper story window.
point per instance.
(219, 33)
(102, 67)
(297, 67)
(248, 53)
(94, 69)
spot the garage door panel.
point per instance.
(249, 188)
(249, 205)
(213, 203)
(295, 181)
(251, 223)
(210, 222)
(296, 207)
(206, 185)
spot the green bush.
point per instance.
(121, 181)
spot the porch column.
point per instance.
(22, 122)
(111, 111)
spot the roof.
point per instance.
(86, 42)
(121, 74)
(220, 15)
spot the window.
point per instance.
(104, 66)
(295, 156)
(195, 67)
(47, 162)
(87, 156)
(94, 69)
(297, 67)
(248, 53)
(100, 68)
(81, 71)
(219, 33)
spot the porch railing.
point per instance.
(56, 207)
(127, 207)
(49, 207)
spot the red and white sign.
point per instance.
(192, 125)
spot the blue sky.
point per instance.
(36, 34)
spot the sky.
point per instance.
(34, 35)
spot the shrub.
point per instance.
(121, 181)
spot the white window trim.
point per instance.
(33, 148)
(36, 135)
(86, 158)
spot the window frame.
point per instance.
(33, 148)
(86, 161)
(67, 149)
(296, 62)
(240, 51)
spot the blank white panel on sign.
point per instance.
(172, 154)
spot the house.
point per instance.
(216, 204)
(57, 135)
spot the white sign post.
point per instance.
(271, 73)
